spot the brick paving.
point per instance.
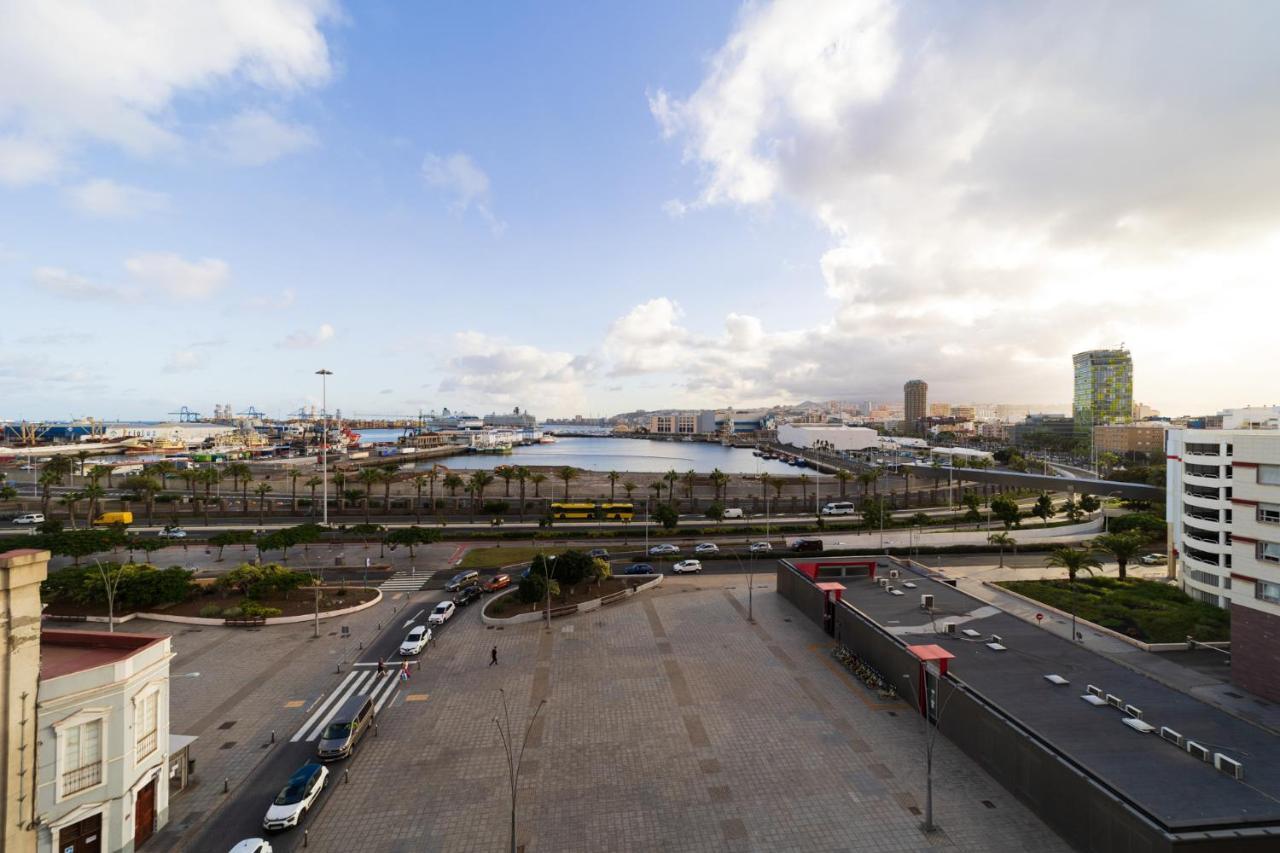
(671, 724)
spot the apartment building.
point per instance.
(1127, 439)
(1223, 510)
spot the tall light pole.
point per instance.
(514, 759)
(324, 438)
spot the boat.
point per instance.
(547, 439)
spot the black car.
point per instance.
(639, 569)
(811, 545)
(466, 595)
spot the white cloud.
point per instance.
(267, 302)
(994, 184)
(177, 278)
(61, 282)
(107, 199)
(75, 72)
(255, 138)
(183, 361)
(459, 176)
(491, 372)
(303, 339)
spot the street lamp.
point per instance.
(514, 759)
(546, 573)
(324, 439)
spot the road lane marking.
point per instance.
(295, 703)
(413, 618)
(386, 691)
(364, 680)
(324, 704)
(416, 697)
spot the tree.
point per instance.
(246, 477)
(162, 469)
(1044, 509)
(93, 493)
(719, 483)
(667, 516)
(875, 512)
(480, 480)
(1074, 560)
(146, 488)
(339, 484)
(1002, 541)
(507, 473)
(69, 501)
(452, 482)
(843, 477)
(419, 480)
(778, 485)
(656, 487)
(690, 479)
(1123, 546)
(313, 484)
(261, 490)
(432, 476)
(803, 480)
(388, 477)
(567, 474)
(99, 472)
(210, 477)
(1089, 503)
(49, 478)
(973, 502)
(601, 570)
(294, 474)
(368, 477)
(671, 478)
(715, 512)
(522, 476)
(766, 479)
(572, 568)
(867, 479)
(1147, 524)
(613, 477)
(629, 487)
(1006, 510)
(1070, 509)
(537, 480)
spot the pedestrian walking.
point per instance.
(493, 656)
(382, 667)
(404, 671)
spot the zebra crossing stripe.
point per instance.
(324, 707)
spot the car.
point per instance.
(30, 518)
(296, 798)
(27, 467)
(685, 566)
(760, 548)
(171, 532)
(444, 610)
(707, 548)
(253, 845)
(809, 545)
(734, 512)
(639, 569)
(462, 579)
(602, 553)
(1153, 559)
(664, 548)
(466, 595)
(496, 583)
(416, 641)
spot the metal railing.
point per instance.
(147, 743)
(81, 778)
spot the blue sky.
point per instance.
(581, 207)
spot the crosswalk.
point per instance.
(357, 682)
(406, 582)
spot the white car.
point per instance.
(735, 512)
(664, 548)
(416, 641)
(172, 533)
(684, 566)
(296, 798)
(253, 845)
(444, 610)
(707, 548)
(760, 547)
(1153, 560)
(30, 518)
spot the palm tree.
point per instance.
(294, 474)
(613, 478)
(261, 491)
(765, 479)
(1074, 560)
(49, 478)
(804, 487)
(866, 479)
(81, 457)
(480, 480)
(690, 479)
(1123, 546)
(522, 475)
(368, 477)
(147, 488)
(246, 477)
(657, 487)
(778, 486)
(419, 480)
(388, 477)
(452, 482)
(163, 469)
(507, 473)
(97, 472)
(314, 483)
(720, 482)
(843, 477)
(1002, 541)
(211, 477)
(537, 480)
(93, 493)
(69, 500)
(567, 474)
(628, 487)
(236, 470)
(671, 477)
(190, 476)
(339, 484)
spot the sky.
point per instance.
(579, 207)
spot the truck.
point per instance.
(125, 518)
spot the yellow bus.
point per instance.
(588, 511)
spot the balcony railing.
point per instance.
(1203, 516)
(1202, 536)
(1202, 492)
(147, 744)
(81, 778)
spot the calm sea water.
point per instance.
(615, 454)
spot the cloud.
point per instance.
(74, 73)
(184, 361)
(993, 184)
(458, 176)
(61, 282)
(278, 302)
(255, 138)
(303, 339)
(106, 199)
(491, 372)
(177, 278)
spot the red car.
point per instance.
(497, 582)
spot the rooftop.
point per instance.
(65, 652)
(1156, 777)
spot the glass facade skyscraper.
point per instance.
(1103, 388)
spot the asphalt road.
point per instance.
(241, 816)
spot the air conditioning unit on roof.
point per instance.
(1229, 766)
(1096, 691)
(1172, 736)
(926, 601)
(1133, 712)
(1197, 750)
(950, 628)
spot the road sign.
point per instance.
(1039, 617)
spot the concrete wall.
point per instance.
(1255, 651)
(20, 575)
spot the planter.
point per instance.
(219, 621)
(568, 610)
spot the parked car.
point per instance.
(416, 641)
(639, 569)
(496, 583)
(1153, 559)
(466, 595)
(602, 553)
(171, 532)
(707, 548)
(807, 545)
(685, 566)
(462, 579)
(664, 548)
(253, 845)
(443, 612)
(735, 512)
(760, 548)
(30, 518)
(297, 797)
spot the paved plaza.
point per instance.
(671, 724)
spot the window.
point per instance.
(1269, 475)
(81, 756)
(144, 723)
(1269, 513)
(1205, 578)
(1269, 551)
(1267, 591)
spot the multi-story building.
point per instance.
(915, 406)
(1103, 388)
(676, 423)
(939, 410)
(1141, 412)
(1223, 510)
(1129, 439)
(1043, 429)
(964, 413)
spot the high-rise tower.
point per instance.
(915, 406)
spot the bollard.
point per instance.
(305, 839)
(346, 775)
(338, 668)
(375, 729)
(226, 784)
(273, 735)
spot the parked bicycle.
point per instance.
(862, 670)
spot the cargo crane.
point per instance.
(251, 412)
(186, 416)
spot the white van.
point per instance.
(838, 508)
(735, 512)
(30, 518)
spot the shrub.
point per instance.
(495, 507)
(210, 611)
(232, 613)
(254, 610)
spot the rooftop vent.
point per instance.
(1095, 701)
(1115, 701)
(926, 601)
(1172, 736)
(1197, 750)
(1133, 712)
(996, 638)
(893, 573)
(970, 633)
(1056, 679)
(909, 585)
(996, 647)
(1138, 725)
(949, 627)
(1096, 691)
(1229, 766)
